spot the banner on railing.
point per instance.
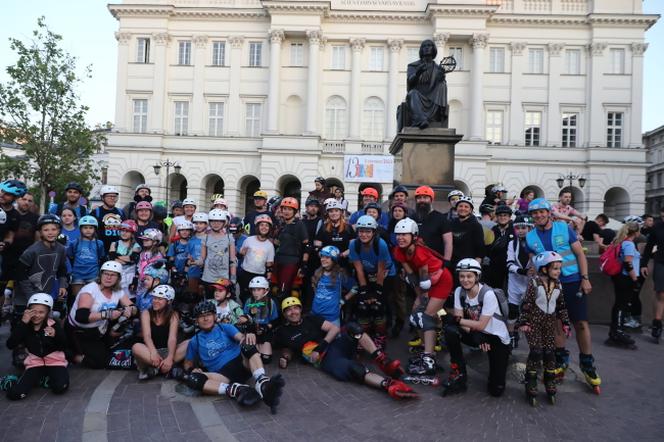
(373, 168)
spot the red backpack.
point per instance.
(609, 261)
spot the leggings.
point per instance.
(624, 292)
(58, 381)
(88, 342)
(286, 274)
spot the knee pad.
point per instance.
(423, 321)
(248, 350)
(357, 372)
(535, 354)
(354, 330)
(195, 381)
(513, 314)
(266, 358)
(451, 332)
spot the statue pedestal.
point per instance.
(425, 157)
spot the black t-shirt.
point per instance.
(293, 337)
(10, 257)
(468, 239)
(25, 233)
(340, 240)
(592, 228)
(109, 224)
(607, 235)
(150, 225)
(432, 229)
(11, 224)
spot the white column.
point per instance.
(357, 44)
(478, 41)
(596, 115)
(234, 110)
(553, 131)
(199, 111)
(440, 39)
(276, 37)
(637, 94)
(516, 99)
(123, 39)
(311, 123)
(157, 109)
(392, 88)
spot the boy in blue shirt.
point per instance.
(178, 251)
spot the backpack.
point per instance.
(101, 253)
(500, 296)
(609, 261)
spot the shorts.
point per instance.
(339, 358)
(658, 276)
(81, 281)
(577, 307)
(235, 371)
(443, 287)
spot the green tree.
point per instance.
(40, 111)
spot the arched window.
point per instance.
(335, 118)
(373, 119)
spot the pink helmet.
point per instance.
(143, 205)
(153, 234)
(129, 226)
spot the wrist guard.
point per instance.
(322, 346)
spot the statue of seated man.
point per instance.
(427, 90)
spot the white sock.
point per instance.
(258, 373)
(223, 388)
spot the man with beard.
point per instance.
(434, 226)
(467, 234)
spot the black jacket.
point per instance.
(36, 341)
(656, 238)
(468, 239)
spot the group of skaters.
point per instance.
(195, 293)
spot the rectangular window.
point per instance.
(573, 61)
(457, 53)
(218, 53)
(494, 126)
(497, 60)
(143, 50)
(533, 126)
(297, 54)
(255, 53)
(216, 119)
(376, 58)
(184, 52)
(140, 116)
(338, 57)
(569, 125)
(181, 117)
(413, 53)
(253, 119)
(536, 60)
(617, 61)
(614, 129)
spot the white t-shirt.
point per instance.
(257, 254)
(489, 308)
(99, 303)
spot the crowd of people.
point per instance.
(194, 293)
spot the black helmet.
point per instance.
(74, 186)
(320, 179)
(14, 187)
(204, 307)
(177, 204)
(159, 211)
(486, 209)
(48, 219)
(503, 209)
(373, 206)
(400, 188)
(235, 224)
(524, 220)
(312, 202)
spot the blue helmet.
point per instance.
(539, 204)
(157, 270)
(330, 252)
(88, 220)
(546, 258)
(14, 187)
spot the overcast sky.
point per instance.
(87, 29)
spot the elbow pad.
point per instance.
(628, 266)
(83, 315)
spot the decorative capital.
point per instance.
(479, 40)
(357, 44)
(555, 49)
(236, 41)
(276, 35)
(161, 38)
(639, 48)
(315, 36)
(323, 42)
(395, 45)
(200, 41)
(518, 47)
(597, 48)
(440, 38)
(123, 37)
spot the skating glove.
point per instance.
(362, 293)
(378, 289)
(321, 347)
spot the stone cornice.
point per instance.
(376, 17)
(296, 7)
(644, 20)
(119, 11)
(461, 10)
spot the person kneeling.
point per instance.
(227, 360)
(479, 322)
(319, 343)
(45, 342)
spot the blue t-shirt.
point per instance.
(628, 248)
(71, 235)
(261, 315)
(194, 247)
(383, 221)
(369, 258)
(180, 252)
(327, 299)
(215, 348)
(85, 256)
(545, 237)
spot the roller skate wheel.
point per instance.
(533, 402)
(552, 400)
(597, 390)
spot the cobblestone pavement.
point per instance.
(114, 406)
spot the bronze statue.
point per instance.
(426, 101)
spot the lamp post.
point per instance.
(570, 177)
(167, 164)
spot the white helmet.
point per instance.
(200, 217)
(469, 265)
(41, 298)
(185, 225)
(221, 201)
(3, 216)
(407, 225)
(112, 266)
(259, 282)
(218, 215)
(633, 219)
(328, 201)
(468, 200)
(153, 235)
(164, 291)
(105, 190)
(334, 204)
(454, 193)
(188, 202)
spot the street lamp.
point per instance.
(167, 164)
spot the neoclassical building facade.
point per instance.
(273, 93)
